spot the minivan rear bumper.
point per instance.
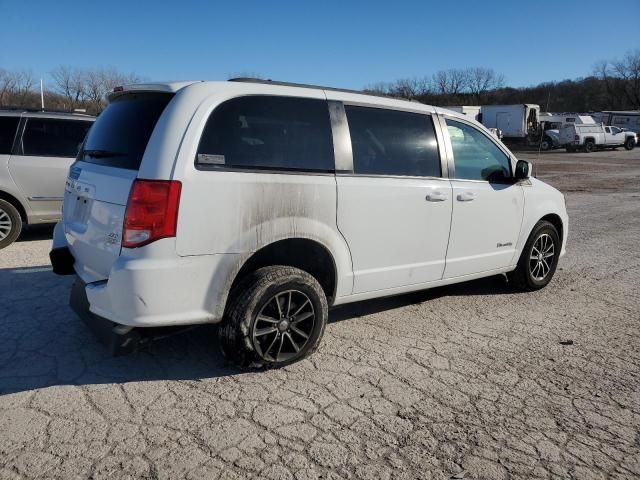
(160, 292)
(117, 339)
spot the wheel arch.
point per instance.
(555, 220)
(17, 204)
(306, 254)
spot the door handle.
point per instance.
(466, 196)
(436, 196)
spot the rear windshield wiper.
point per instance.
(103, 153)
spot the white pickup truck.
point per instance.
(588, 137)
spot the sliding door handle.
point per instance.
(466, 196)
(436, 196)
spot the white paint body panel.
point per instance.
(396, 236)
(41, 180)
(485, 229)
(383, 234)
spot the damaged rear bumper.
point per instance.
(119, 339)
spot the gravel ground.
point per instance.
(468, 381)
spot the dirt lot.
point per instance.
(470, 380)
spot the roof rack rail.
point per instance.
(318, 87)
(13, 108)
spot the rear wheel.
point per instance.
(546, 144)
(539, 258)
(10, 224)
(629, 144)
(276, 316)
(589, 146)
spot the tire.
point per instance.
(268, 316)
(546, 144)
(536, 273)
(629, 144)
(10, 224)
(589, 146)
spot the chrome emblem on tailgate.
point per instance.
(113, 238)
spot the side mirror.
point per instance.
(523, 170)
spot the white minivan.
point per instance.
(258, 205)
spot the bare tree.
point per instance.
(410, 88)
(482, 80)
(15, 86)
(71, 83)
(378, 88)
(451, 82)
(628, 69)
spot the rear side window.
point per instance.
(48, 137)
(389, 142)
(120, 135)
(8, 126)
(268, 132)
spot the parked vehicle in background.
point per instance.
(496, 133)
(626, 120)
(550, 139)
(519, 124)
(557, 120)
(258, 205)
(551, 123)
(589, 137)
(472, 111)
(36, 150)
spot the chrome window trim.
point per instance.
(342, 150)
(399, 177)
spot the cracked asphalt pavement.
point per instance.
(467, 381)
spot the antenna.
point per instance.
(42, 93)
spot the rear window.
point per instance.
(46, 137)
(270, 133)
(8, 126)
(120, 135)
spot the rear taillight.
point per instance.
(152, 212)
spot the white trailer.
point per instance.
(628, 119)
(472, 111)
(557, 120)
(516, 122)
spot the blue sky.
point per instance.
(336, 43)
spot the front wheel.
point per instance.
(629, 144)
(546, 144)
(10, 224)
(276, 316)
(539, 258)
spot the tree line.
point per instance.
(67, 88)
(613, 85)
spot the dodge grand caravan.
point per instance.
(36, 149)
(258, 205)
